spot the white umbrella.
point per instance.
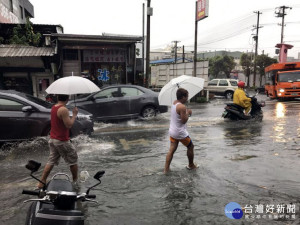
(72, 85)
(193, 85)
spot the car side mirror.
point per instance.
(27, 109)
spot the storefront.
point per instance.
(105, 60)
(26, 69)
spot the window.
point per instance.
(21, 12)
(270, 77)
(39, 101)
(9, 105)
(223, 83)
(289, 77)
(11, 6)
(233, 82)
(108, 93)
(213, 83)
(130, 92)
(70, 54)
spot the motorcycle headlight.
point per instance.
(281, 90)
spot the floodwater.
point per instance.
(250, 163)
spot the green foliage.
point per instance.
(262, 61)
(26, 36)
(17, 38)
(201, 99)
(247, 64)
(220, 64)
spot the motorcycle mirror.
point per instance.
(99, 174)
(33, 166)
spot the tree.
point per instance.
(220, 64)
(247, 65)
(26, 36)
(262, 61)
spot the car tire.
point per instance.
(229, 94)
(148, 112)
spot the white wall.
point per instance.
(162, 74)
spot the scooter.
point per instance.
(236, 112)
(57, 201)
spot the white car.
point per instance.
(224, 87)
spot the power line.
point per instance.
(229, 30)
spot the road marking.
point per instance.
(126, 144)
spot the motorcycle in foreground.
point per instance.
(57, 201)
(236, 112)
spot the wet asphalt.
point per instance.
(247, 162)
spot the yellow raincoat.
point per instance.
(240, 98)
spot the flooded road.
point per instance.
(251, 163)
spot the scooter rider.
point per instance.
(240, 98)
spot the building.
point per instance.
(105, 59)
(15, 11)
(25, 68)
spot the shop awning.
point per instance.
(25, 51)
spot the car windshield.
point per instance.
(289, 77)
(39, 101)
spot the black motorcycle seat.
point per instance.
(59, 185)
(240, 108)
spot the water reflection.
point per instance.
(279, 131)
(280, 110)
(242, 132)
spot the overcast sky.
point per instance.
(228, 27)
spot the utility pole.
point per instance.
(175, 50)
(149, 14)
(256, 45)
(195, 44)
(183, 54)
(143, 46)
(281, 12)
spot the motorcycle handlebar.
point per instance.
(30, 192)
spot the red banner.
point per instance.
(202, 9)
